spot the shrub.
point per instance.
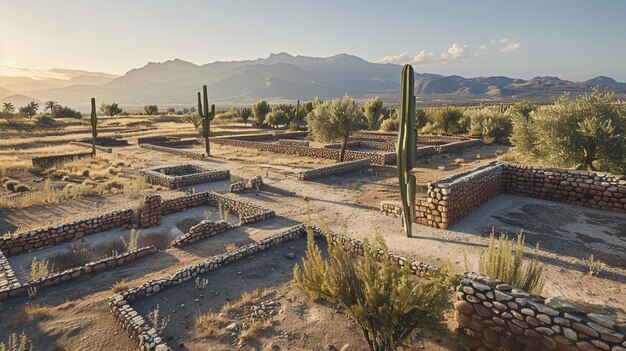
(387, 302)
(45, 120)
(17, 342)
(594, 266)
(490, 125)
(120, 285)
(133, 240)
(390, 125)
(66, 112)
(39, 269)
(21, 188)
(504, 260)
(151, 109)
(11, 184)
(588, 132)
(159, 323)
(447, 119)
(277, 117)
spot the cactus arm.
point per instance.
(407, 148)
(200, 105)
(94, 126)
(206, 121)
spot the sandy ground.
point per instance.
(75, 316)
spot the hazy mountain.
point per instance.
(21, 100)
(5, 92)
(26, 85)
(286, 77)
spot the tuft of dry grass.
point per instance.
(253, 329)
(39, 269)
(231, 247)
(120, 285)
(459, 160)
(211, 325)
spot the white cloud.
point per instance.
(423, 57)
(455, 52)
(482, 47)
(503, 41)
(511, 46)
(399, 58)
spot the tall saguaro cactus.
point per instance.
(407, 143)
(94, 126)
(207, 116)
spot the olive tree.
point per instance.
(335, 120)
(260, 110)
(373, 111)
(588, 132)
(447, 119)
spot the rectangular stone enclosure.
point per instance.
(176, 176)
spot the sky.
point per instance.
(572, 39)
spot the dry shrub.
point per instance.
(80, 253)
(17, 342)
(11, 184)
(459, 160)
(231, 247)
(211, 324)
(158, 240)
(22, 188)
(132, 243)
(120, 285)
(253, 329)
(39, 269)
(504, 260)
(387, 302)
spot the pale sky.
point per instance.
(572, 39)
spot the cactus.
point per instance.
(94, 126)
(407, 144)
(207, 117)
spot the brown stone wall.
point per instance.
(337, 168)
(47, 161)
(202, 230)
(171, 150)
(54, 235)
(88, 145)
(150, 211)
(175, 176)
(495, 316)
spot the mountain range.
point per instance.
(282, 77)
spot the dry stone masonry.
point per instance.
(451, 198)
(178, 152)
(252, 183)
(88, 145)
(54, 235)
(237, 186)
(177, 176)
(8, 281)
(335, 169)
(497, 317)
(200, 231)
(47, 161)
(149, 211)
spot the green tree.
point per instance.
(29, 110)
(261, 109)
(421, 118)
(277, 117)
(384, 300)
(335, 120)
(373, 111)
(8, 107)
(51, 106)
(447, 119)
(194, 119)
(245, 114)
(588, 132)
(110, 110)
(151, 109)
(490, 124)
(523, 108)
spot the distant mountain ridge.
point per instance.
(286, 77)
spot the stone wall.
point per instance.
(88, 145)
(54, 235)
(337, 168)
(237, 186)
(156, 139)
(496, 317)
(184, 202)
(8, 281)
(106, 141)
(254, 182)
(247, 212)
(178, 152)
(149, 212)
(425, 151)
(202, 230)
(177, 176)
(75, 273)
(293, 142)
(449, 199)
(47, 161)
(383, 158)
(147, 338)
(598, 190)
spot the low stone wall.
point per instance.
(383, 158)
(182, 142)
(184, 202)
(88, 145)
(106, 141)
(293, 142)
(202, 230)
(237, 186)
(148, 339)
(597, 190)
(176, 176)
(8, 281)
(449, 199)
(247, 212)
(149, 212)
(76, 272)
(337, 168)
(54, 235)
(156, 139)
(426, 151)
(496, 317)
(171, 150)
(254, 182)
(47, 161)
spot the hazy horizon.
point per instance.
(574, 40)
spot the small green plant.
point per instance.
(32, 291)
(352, 186)
(201, 283)
(504, 260)
(39, 269)
(158, 322)
(594, 266)
(17, 342)
(387, 302)
(132, 243)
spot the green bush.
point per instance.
(588, 132)
(491, 125)
(504, 260)
(447, 119)
(387, 302)
(390, 125)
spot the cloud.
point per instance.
(503, 41)
(423, 57)
(511, 46)
(455, 52)
(399, 58)
(482, 47)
